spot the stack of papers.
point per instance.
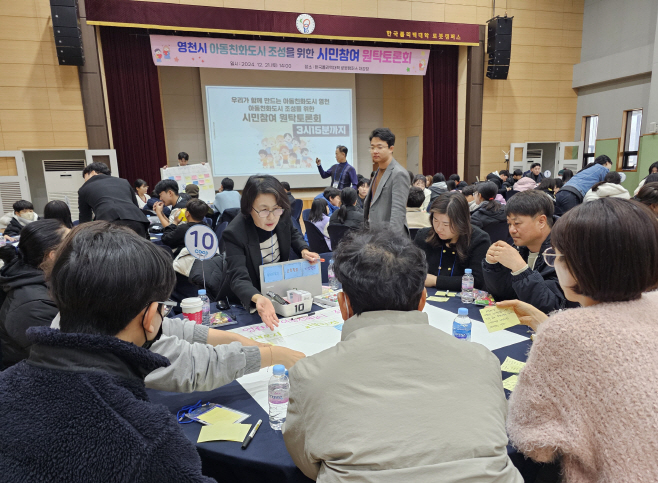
(222, 427)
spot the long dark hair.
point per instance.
(567, 174)
(58, 210)
(612, 177)
(488, 191)
(347, 198)
(318, 210)
(454, 205)
(139, 183)
(37, 240)
(547, 184)
(648, 194)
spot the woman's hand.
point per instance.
(311, 257)
(267, 312)
(9, 239)
(527, 314)
(430, 281)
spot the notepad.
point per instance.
(224, 432)
(445, 293)
(219, 415)
(512, 365)
(438, 299)
(510, 382)
(498, 319)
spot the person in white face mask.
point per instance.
(23, 214)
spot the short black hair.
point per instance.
(380, 270)
(98, 168)
(438, 177)
(58, 210)
(420, 177)
(184, 155)
(504, 172)
(363, 181)
(384, 134)
(139, 183)
(22, 205)
(197, 208)
(534, 165)
(342, 149)
(469, 190)
(518, 172)
(648, 194)
(451, 184)
(602, 159)
(165, 185)
(89, 276)
(613, 177)
(531, 203)
(38, 239)
(259, 184)
(652, 178)
(227, 184)
(416, 197)
(455, 177)
(330, 192)
(629, 227)
(286, 185)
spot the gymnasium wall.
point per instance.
(40, 101)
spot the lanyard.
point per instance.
(441, 263)
(340, 178)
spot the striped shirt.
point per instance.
(269, 250)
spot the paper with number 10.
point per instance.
(201, 242)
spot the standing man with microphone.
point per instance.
(343, 175)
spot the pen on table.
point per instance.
(303, 315)
(251, 435)
(319, 260)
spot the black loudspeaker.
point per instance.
(68, 38)
(499, 46)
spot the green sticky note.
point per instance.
(498, 319)
(510, 382)
(224, 432)
(512, 365)
(219, 415)
(438, 299)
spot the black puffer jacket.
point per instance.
(27, 304)
(483, 217)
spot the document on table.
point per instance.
(498, 319)
(510, 382)
(220, 415)
(223, 432)
(512, 365)
(438, 299)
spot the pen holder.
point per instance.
(292, 309)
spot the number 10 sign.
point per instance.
(201, 242)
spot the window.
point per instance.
(631, 125)
(590, 126)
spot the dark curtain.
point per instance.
(440, 112)
(133, 94)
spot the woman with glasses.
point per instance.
(452, 244)
(263, 234)
(589, 389)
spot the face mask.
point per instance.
(28, 216)
(148, 343)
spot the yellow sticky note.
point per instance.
(498, 319)
(512, 365)
(440, 293)
(438, 299)
(510, 382)
(219, 415)
(224, 432)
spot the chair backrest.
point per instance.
(296, 209)
(498, 231)
(228, 215)
(412, 232)
(214, 217)
(219, 230)
(207, 221)
(305, 214)
(296, 224)
(76, 222)
(324, 266)
(316, 241)
(336, 234)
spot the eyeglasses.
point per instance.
(266, 213)
(165, 307)
(550, 256)
(378, 148)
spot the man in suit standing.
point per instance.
(110, 199)
(386, 202)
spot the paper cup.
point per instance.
(192, 309)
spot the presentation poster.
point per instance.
(276, 130)
(198, 174)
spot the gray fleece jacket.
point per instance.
(195, 365)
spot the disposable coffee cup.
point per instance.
(192, 309)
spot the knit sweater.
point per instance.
(588, 393)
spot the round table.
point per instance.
(266, 458)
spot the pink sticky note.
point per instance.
(206, 175)
(178, 178)
(194, 177)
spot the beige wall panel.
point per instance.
(64, 99)
(398, 9)
(19, 28)
(25, 120)
(460, 13)
(28, 140)
(362, 8)
(24, 98)
(545, 88)
(70, 139)
(514, 121)
(48, 53)
(550, 5)
(252, 4)
(42, 8)
(285, 5)
(204, 3)
(508, 137)
(567, 106)
(22, 75)
(490, 138)
(73, 120)
(541, 135)
(521, 5)
(517, 88)
(520, 71)
(20, 52)
(482, 14)
(429, 12)
(523, 18)
(492, 121)
(18, 8)
(2, 141)
(547, 121)
(62, 76)
(322, 7)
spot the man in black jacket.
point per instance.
(174, 234)
(110, 199)
(519, 271)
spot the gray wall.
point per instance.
(617, 60)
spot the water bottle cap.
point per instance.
(202, 292)
(462, 311)
(279, 370)
(468, 270)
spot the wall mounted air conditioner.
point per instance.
(63, 179)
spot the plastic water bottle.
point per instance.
(278, 390)
(467, 287)
(461, 326)
(205, 310)
(333, 281)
